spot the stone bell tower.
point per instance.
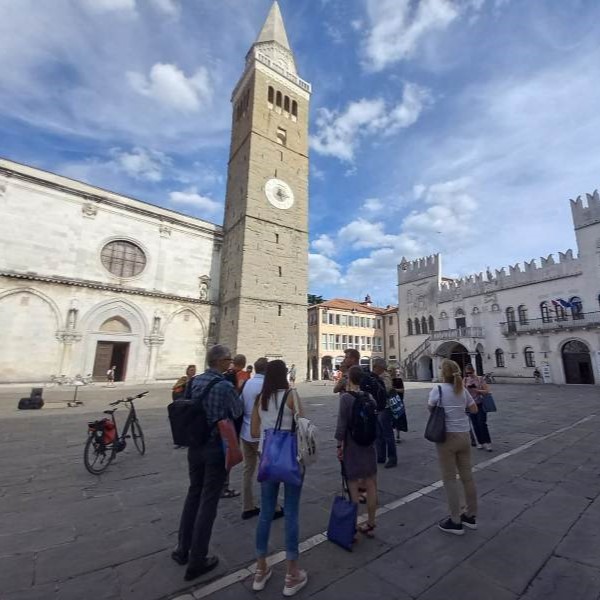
(264, 269)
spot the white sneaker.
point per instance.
(293, 584)
(488, 447)
(260, 579)
(479, 447)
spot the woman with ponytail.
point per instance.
(454, 453)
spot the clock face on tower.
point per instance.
(279, 194)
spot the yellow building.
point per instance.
(338, 324)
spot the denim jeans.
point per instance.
(291, 505)
(479, 420)
(385, 442)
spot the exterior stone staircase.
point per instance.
(409, 365)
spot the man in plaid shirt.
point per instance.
(206, 466)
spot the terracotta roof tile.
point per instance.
(345, 304)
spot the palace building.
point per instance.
(91, 279)
(542, 316)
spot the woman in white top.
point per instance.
(273, 392)
(455, 453)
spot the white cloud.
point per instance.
(168, 7)
(142, 164)
(373, 205)
(322, 271)
(169, 86)
(325, 245)
(361, 233)
(451, 211)
(119, 6)
(398, 26)
(191, 197)
(339, 134)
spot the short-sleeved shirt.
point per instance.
(455, 405)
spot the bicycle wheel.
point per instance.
(138, 436)
(97, 457)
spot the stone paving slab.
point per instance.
(562, 579)
(529, 549)
(46, 497)
(467, 583)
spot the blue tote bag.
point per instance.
(488, 404)
(279, 458)
(342, 520)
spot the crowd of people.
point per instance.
(262, 397)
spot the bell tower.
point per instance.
(264, 269)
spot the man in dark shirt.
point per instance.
(206, 466)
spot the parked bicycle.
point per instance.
(104, 441)
(489, 378)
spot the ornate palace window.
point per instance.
(499, 357)
(529, 356)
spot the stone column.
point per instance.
(319, 368)
(153, 342)
(437, 363)
(67, 339)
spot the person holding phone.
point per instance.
(478, 388)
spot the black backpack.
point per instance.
(374, 385)
(363, 420)
(189, 426)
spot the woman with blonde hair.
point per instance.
(454, 453)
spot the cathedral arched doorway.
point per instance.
(112, 353)
(577, 363)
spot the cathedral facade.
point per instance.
(90, 279)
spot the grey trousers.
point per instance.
(207, 477)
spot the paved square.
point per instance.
(65, 534)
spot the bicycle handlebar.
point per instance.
(129, 398)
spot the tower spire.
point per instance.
(274, 29)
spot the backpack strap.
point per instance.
(440, 398)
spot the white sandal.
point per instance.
(260, 579)
(293, 584)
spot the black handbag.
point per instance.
(435, 431)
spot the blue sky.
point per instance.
(453, 126)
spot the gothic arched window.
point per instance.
(278, 100)
(423, 325)
(546, 312)
(294, 110)
(409, 327)
(499, 357)
(576, 308)
(431, 324)
(286, 104)
(529, 355)
(417, 327)
(271, 96)
(522, 310)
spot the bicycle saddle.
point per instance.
(109, 412)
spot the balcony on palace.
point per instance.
(551, 324)
(457, 334)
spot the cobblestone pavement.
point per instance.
(65, 534)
